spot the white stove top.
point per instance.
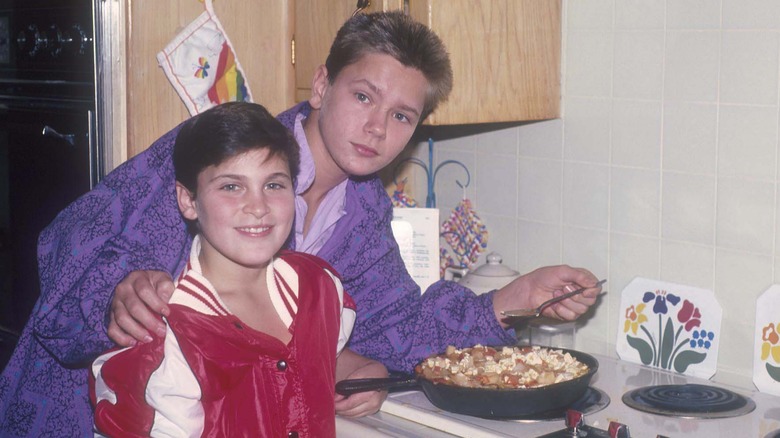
(410, 413)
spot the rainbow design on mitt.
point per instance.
(229, 85)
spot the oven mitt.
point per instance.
(202, 66)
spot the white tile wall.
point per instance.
(690, 131)
(748, 67)
(636, 133)
(750, 14)
(691, 66)
(639, 14)
(688, 208)
(664, 164)
(638, 64)
(741, 125)
(687, 263)
(587, 135)
(745, 215)
(634, 203)
(692, 14)
(536, 204)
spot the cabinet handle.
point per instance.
(48, 131)
(292, 50)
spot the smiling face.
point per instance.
(244, 208)
(365, 118)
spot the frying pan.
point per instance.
(487, 402)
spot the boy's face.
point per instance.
(244, 208)
(367, 116)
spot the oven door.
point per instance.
(47, 160)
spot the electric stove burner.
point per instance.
(592, 401)
(689, 401)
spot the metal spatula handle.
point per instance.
(525, 313)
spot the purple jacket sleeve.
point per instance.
(116, 228)
(396, 324)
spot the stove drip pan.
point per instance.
(689, 401)
(592, 401)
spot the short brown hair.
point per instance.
(227, 130)
(396, 34)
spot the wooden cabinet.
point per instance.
(505, 53)
(260, 32)
(316, 24)
(505, 57)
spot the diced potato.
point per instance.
(512, 367)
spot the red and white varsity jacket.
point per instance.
(214, 376)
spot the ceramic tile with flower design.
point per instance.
(669, 326)
(766, 355)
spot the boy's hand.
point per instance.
(362, 403)
(532, 289)
(138, 302)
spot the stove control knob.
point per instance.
(574, 420)
(54, 38)
(75, 41)
(618, 430)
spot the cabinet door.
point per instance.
(260, 31)
(505, 57)
(316, 25)
(505, 53)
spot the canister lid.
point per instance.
(494, 267)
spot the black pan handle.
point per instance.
(351, 386)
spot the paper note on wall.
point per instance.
(417, 232)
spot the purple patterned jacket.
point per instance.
(130, 221)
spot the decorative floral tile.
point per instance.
(669, 326)
(766, 355)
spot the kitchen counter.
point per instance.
(410, 414)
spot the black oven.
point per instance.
(48, 156)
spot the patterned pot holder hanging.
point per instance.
(466, 235)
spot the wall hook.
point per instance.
(431, 172)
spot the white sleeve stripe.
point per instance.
(280, 295)
(348, 317)
(174, 394)
(339, 288)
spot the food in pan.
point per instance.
(505, 368)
